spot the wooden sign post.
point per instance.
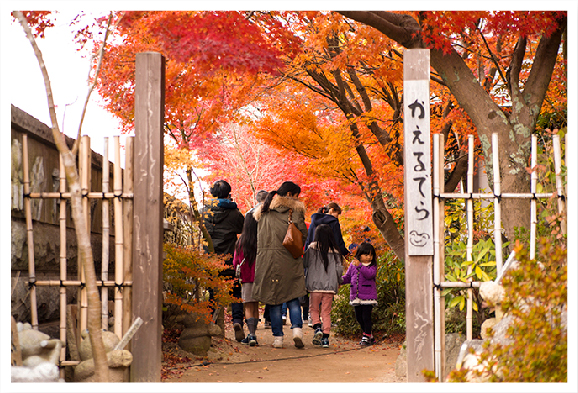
(418, 214)
(148, 215)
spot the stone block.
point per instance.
(453, 343)
(196, 344)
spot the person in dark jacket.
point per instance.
(224, 222)
(328, 215)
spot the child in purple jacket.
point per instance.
(363, 292)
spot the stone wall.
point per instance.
(44, 174)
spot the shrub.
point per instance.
(187, 273)
(458, 269)
(389, 315)
(536, 296)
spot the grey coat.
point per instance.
(316, 278)
(278, 276)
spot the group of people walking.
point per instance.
(269, 274)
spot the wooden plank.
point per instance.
(418, 212)
(416, 148)
(128, 219)
(148, 215)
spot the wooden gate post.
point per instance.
(148, 215)
(418, 213)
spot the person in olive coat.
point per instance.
(278, 276)
(224, 222)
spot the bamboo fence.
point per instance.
(468, 197)
(122, 194)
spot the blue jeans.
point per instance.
(294, 313)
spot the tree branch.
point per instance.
(515, 67)
(92, 86)
(541, 72)
(360, 89)
(399, 27)
(492, 57)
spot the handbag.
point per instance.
(293, 240)
(238, 269)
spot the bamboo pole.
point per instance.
(459, 284)
(559, 187)
(497, 207)
(463, 195)
(455, 195)
(105, 234)
(88, 211)
(130, 332)
(118, 238)
(128, 218)
(533, 181)
(566, 155)
(436, 263)
(83, 172)
(78, 283)
(90, 195)
(30, 233)
(62, 266)
(442, 258)
(470, 225)
(70, 363)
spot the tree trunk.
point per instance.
(388, 228)
(380, 215)
(80, 224)
(85, 255)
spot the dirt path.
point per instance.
(343, 361)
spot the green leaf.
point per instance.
(484, 251)
(462, 303)
(489, 263)
(455, 301)
(479, 272)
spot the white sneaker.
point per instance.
(278, 342)
(298, 337)
(310, 323)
